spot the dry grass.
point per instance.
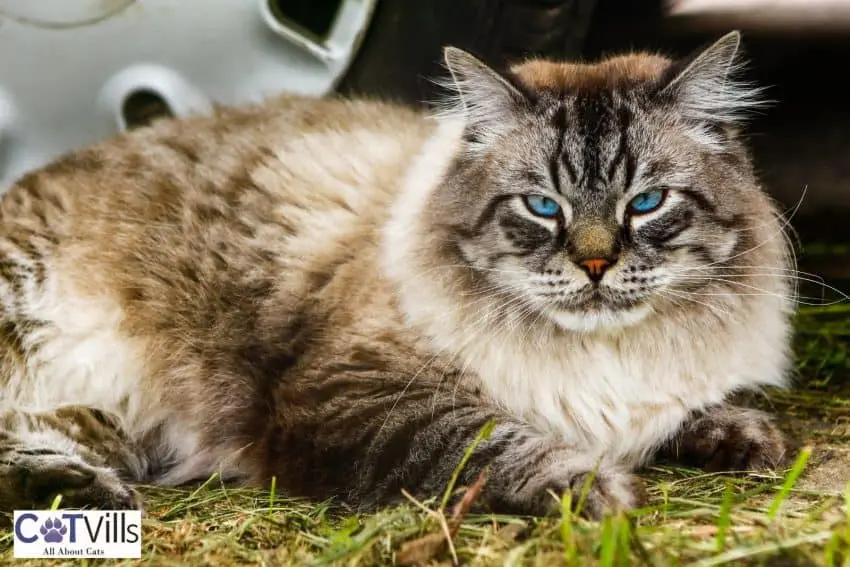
(693, 518)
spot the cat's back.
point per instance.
(298, 150)
(181, 231)
(245, 183)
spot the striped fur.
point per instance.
(341, 294)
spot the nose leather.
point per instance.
(595, 267)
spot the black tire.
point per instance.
(402, 49)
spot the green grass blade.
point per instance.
(483, 435)
(724, 518)
(567, 534)
(608, 543)
(56, 502)
(790, 481)
(624, 540)
(272, 493)
(585, 490)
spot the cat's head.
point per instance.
(595, 194)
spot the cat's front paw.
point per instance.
(31, 479)
(728, 438)
(602, 492)
(594, 492)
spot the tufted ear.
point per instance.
(486, 100)
(704, 85)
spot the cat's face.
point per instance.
(596, 201)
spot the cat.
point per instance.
(342, 294)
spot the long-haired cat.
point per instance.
(341, 294)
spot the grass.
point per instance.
(798, 517)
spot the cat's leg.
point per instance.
(728, 438)
(79, 452)
(353, 439)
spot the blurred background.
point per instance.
(75, 71)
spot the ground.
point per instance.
(796, 517)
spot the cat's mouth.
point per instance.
(601, 318)
(600, 298)
(598, 309)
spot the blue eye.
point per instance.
(542, 206)
(647, 202)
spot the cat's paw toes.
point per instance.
(34, 480)
(734, 439)
(106, 492)
(593, 493)
(607, 491)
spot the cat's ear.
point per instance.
(705, 86)
(486, 100)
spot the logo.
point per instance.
(78, 534)
(52, 530)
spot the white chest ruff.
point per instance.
(617, 398)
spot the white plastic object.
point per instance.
(69, 67)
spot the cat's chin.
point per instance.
(599, 319)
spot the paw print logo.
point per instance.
(53, 531)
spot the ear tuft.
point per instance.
(485, 100)
(705, 86)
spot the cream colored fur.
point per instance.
(185, 265)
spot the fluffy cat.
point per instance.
(342, 293)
